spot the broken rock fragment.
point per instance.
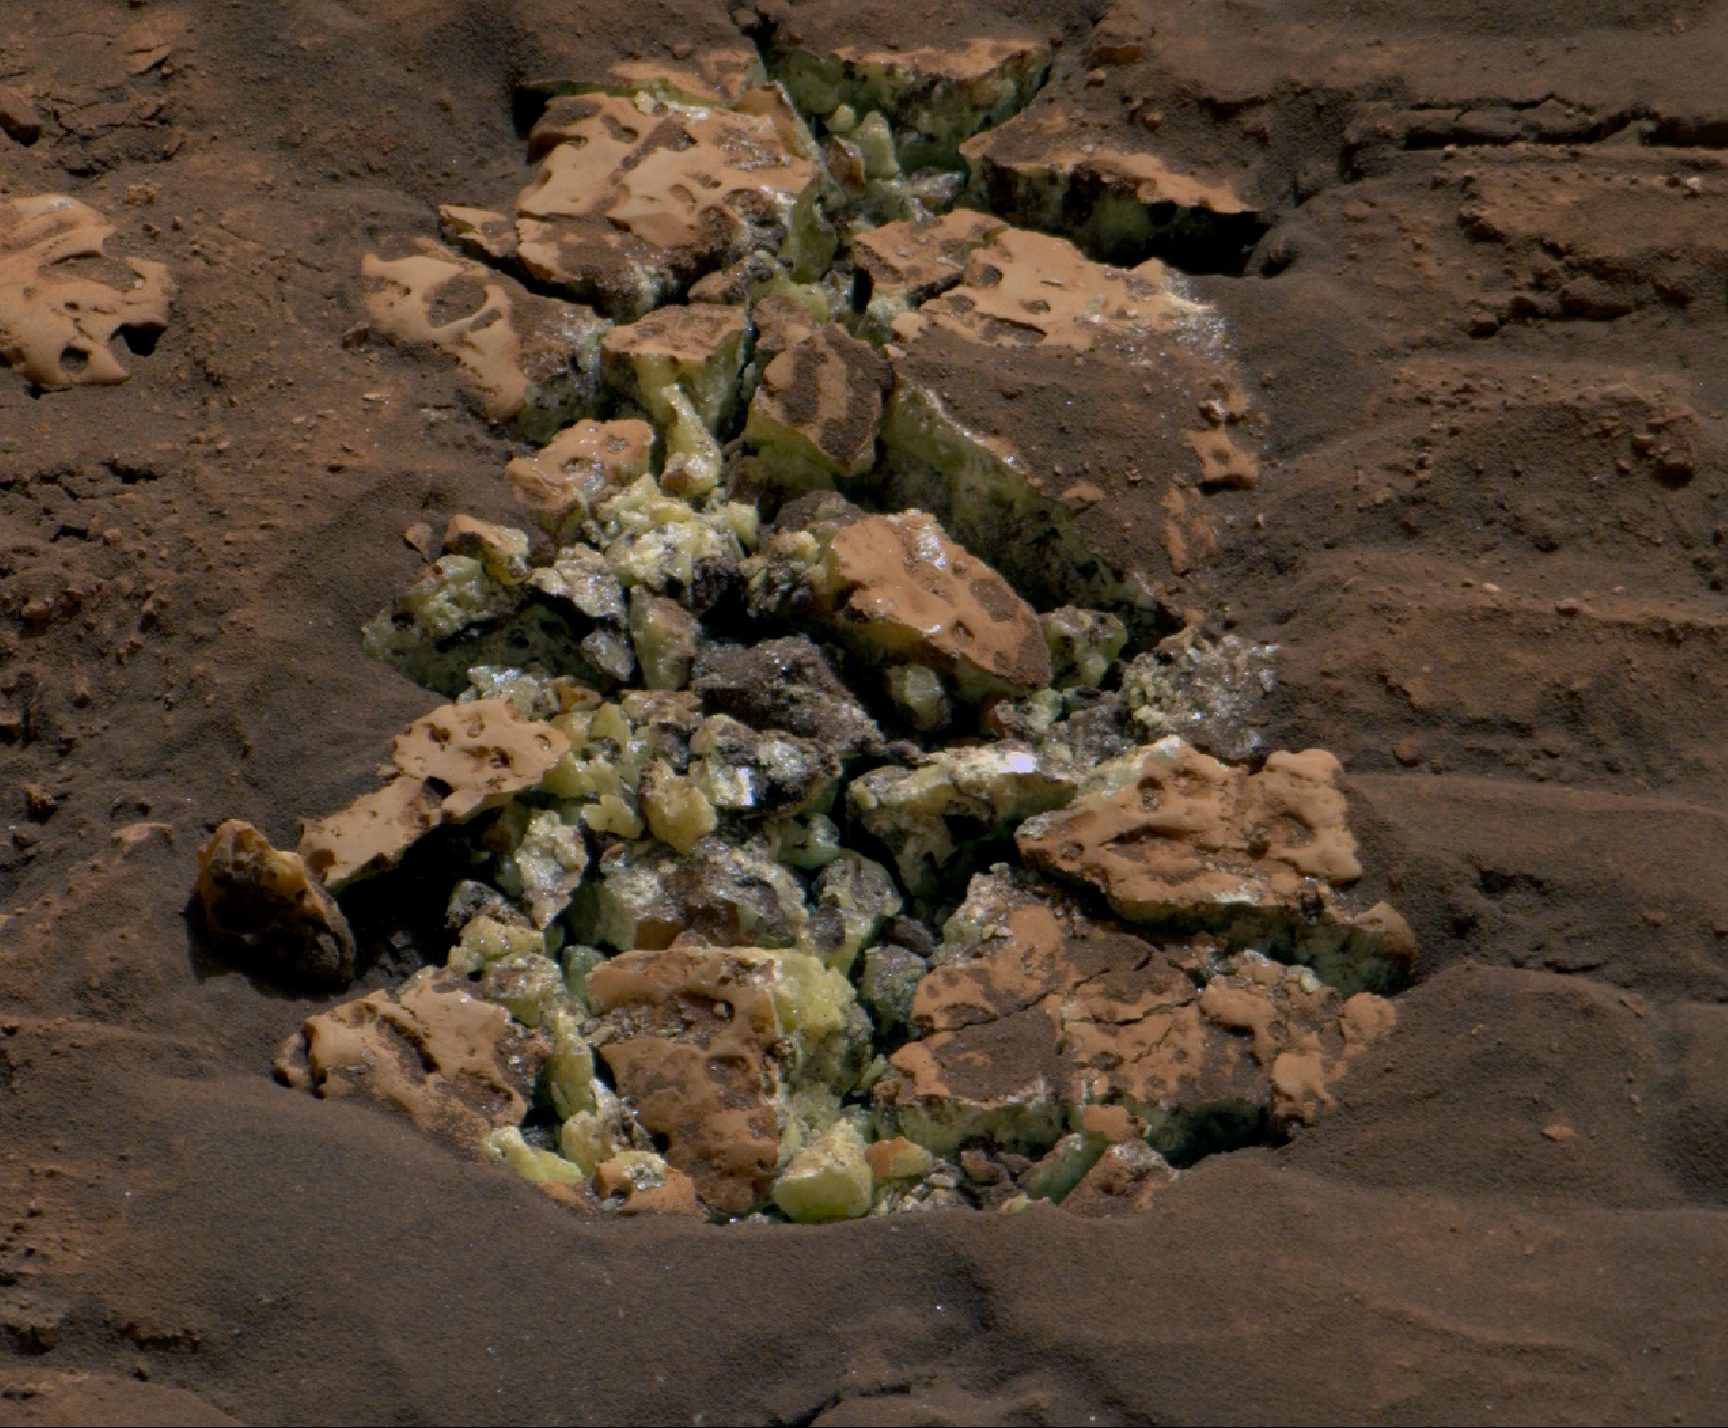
(1176, 838)
(699, 349)
(566, 480)
(1165, 421)
(270, 908)
(1116, 201)
(703, 1042)
(905, 591)
(637, 199)
(814, 416)
(786, 684)
(524, 359)
(1037, 1019)
(446, 767)
(457, 1065)
(935, 96)
(58, 318)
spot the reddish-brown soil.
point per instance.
(1486, 336)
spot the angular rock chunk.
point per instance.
(268, 906)
(457, 1065)
(447, 766)
(1185, 840)
(1163, 422)
(478, 233)
(1027, 290)
(699, 348)
(814, 416)
(1211, 692)
(1124, 1180)
(649, 894)
(568, 479)
(914, 260)
(954, 797)
(1115, 201)
(636, 201)
(701, 1042)
(830, 1180)
(786, 684)
(524, 359)
(57, 321)
(1038, 1013)
(907, 592)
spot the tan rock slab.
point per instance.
(458, 1066)
(447, 766)
(58, 321)
(693, 1047)
(1190, 841)
(521, 358)
(632, 202)
(911, 593)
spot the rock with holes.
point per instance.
(1171, 836)
(523, 359)
(983, 431)
(910, 261)
(446, 767)
(705, 1045)
(456, 1065)
(1035, 1016)
(59, 321)
(635, 199)
(268, 909)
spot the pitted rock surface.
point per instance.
(456, 1064)
(58, 323)
(447, 766)
(693, 1042)
(631, 204)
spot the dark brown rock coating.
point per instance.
(1485, 541)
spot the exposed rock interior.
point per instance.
(849, 813)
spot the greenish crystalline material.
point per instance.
(737, 896)
(698, 350)
(760, 774)
(920, 695)
(1063, 1167)
(854, 896)
(927, 812)
(1083, 643)
(889, 980)
(568, 1075)
(529, 984)
(534, 1165)
(935, 98)
(565, 482)
(665, 636)
(828, 1180)
(545, 866)
(1213, 693)
(773, 672)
